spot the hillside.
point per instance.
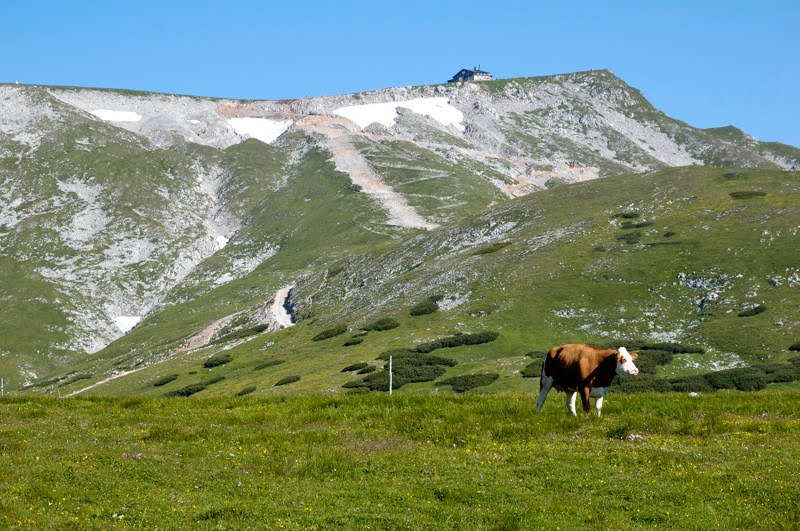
(693, 256)
(166, 213)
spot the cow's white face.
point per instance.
(625, 364)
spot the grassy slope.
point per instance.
(564, 276)
(468, 462)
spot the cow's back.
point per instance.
(562, 364)
(569, 365)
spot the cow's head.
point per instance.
(625, 362)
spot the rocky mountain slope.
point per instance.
(121, 209)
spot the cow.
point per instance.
(579, 368)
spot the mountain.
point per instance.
(136, 228)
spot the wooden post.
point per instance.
(390, 376)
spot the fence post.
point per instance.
(390, 376)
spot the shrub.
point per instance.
(747, 194)
(189, 390)
(366, 370)
(491, 248)
(635, 224)
(424, 308)
(381, 324)
(742, 378)
(268, 363)
(780, 372)
(247, 390)
(164, 380)
(330, 332)
(458, 340)
(353, 341)
(217, 359)
(675, 348)
(752, 311)
(669, 234)
(76, 378)
(355, 367)
(690, 383)
(627, 215)
(644, 383)
(465, 382)
(402, 375)
(631, 238)
(287, 380)
(795, 347)
(212, 381)
(239, 334)
(533, 369)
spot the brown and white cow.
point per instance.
(579, 368)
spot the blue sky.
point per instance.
(709, 63)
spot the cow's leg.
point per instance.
(585, 398)
(544, 387)
(571, 402)
(598, 405)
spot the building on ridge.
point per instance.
(476, 74)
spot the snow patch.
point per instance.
(386, 113)
(262, 129)
(117, 116)
(222, 241)
(126, 322)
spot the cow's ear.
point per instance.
(634, 355)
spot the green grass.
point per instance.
(721, 461)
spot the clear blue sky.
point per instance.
(709, 63)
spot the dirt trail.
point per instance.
(339, 134)
(278, 311)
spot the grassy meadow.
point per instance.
(718, 461)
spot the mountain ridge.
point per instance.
(118, 204)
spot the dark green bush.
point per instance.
(780, 372)
(533, 369)
(76, 378)
(752, 311)
(353, 341)
(635, 224)
(626, 215)
(644, 383)
(458, 340)
(217, 359)
(649, 360)
(465, 382)
(747, 194)
(424, 308)
(366, 370)
(669, 234)
(694, 383)
(355, 367)
(742, 378)
(287, 380)
(239, 334)
(675, 348)
(491, 248)
(330, 332)
(247, 390)
(189, 390)
(212, 381)
(381, 324)
(164, 380)
(402, 375)
(631, 238)
(795, 347)
(268, 363)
